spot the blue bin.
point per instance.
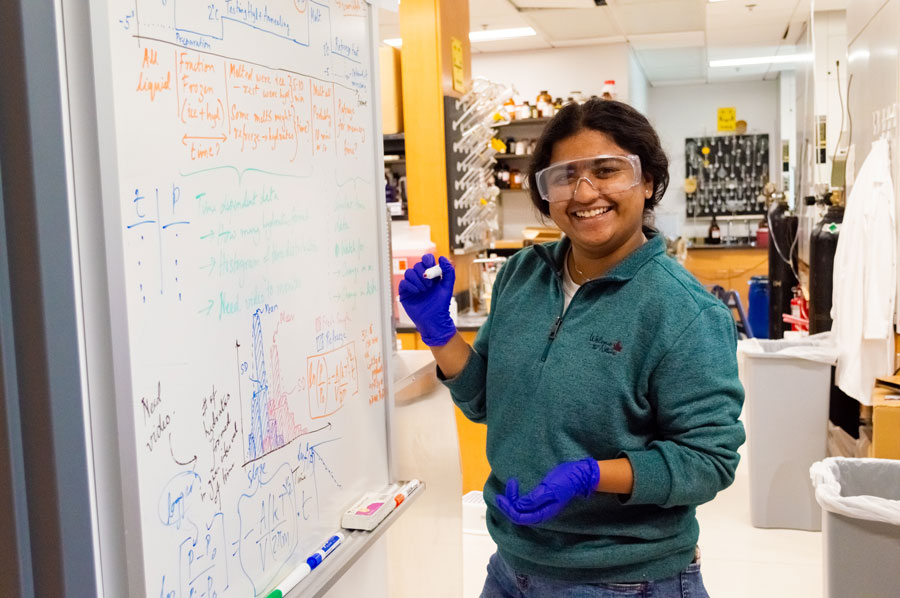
(758, 315)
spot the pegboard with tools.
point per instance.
(725, 175)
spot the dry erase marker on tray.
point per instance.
(303, 570)
(288, 583)
(368, 512)
(318, 556)
(405, 491)
(434, 272)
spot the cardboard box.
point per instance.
(540, 234)
(885, 423)
(391, 90)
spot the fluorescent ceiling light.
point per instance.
(711, 1)
(486, 35)
(762, 60)
(489, 35)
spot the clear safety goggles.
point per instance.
(606, 174)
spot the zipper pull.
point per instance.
(555, 327)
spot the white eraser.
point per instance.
(434, 272)
(368, 512)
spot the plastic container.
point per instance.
(860, 500)
(787, 385)
(408, 245)
(608, 92)
(758, 313)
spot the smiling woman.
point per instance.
(606, 375)
(604, 217)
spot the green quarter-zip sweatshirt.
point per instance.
(641, 365)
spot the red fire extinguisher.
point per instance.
(799, 318)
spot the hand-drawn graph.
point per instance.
(272, 421)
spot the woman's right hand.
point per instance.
(427, 301)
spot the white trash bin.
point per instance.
(787, 385)
(478, 546)
(860, 501)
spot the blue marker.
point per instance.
(317, 557)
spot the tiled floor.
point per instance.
(739, 560)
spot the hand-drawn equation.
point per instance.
(221, 102)
(156, 219)
(331, 378)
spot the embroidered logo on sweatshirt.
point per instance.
(608, 347)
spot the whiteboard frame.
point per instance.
(105, 349)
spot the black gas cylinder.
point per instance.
(822, 246)
(782, 232)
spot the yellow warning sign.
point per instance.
(727, 119)
(459, 76)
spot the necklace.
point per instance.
(584, 278)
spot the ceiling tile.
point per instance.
(672, 38)
(589, 41)
(487, 9)
(683, 39)
(675, 63)
(734, 51)
(661, 16)
(559, 25)
(511, 45)
(751, 35)
(554, 3)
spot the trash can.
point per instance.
(786, 384)
(860, 501)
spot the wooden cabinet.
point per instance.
(728, 267)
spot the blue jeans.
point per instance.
(503, 582)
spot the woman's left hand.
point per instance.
(558, 488)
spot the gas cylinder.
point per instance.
(782, 232)
(822, 246)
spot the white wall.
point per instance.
(830, 46)
(689, 111)
(638, 87)
(559, 70)
(787, 125)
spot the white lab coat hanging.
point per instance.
(865, 279)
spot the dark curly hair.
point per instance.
(626, 126)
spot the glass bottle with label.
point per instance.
(510, 106)
(502, 176)
(515, 178)
(524, 110)
(714, 237)
(544, 104)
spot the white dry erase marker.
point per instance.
(404, 492)
(434, 272)
(289, 582)
(318, 556)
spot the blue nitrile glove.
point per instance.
(560, 486)
(427, 301)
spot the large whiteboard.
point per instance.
(248, 225)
